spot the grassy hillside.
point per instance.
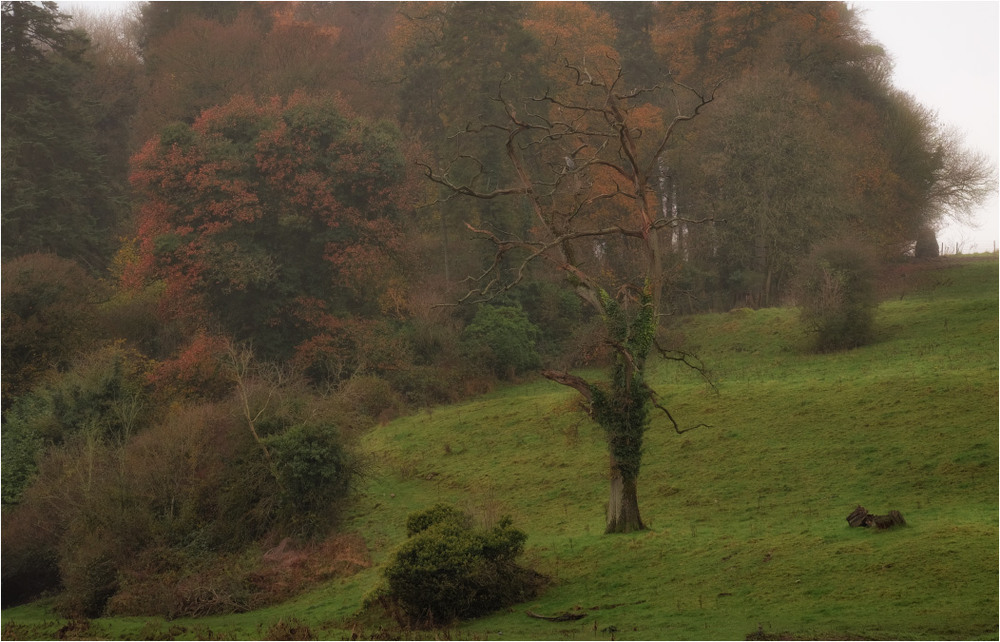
(747, 517)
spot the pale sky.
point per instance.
(947, 55)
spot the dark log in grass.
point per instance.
(861, 517)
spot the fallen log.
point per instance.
(861, 517)
(894, 518)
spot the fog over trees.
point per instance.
(235, 234)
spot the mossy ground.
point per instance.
(747, 518)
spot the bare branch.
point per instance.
(677, 429)
(240, 361)
(466, 190)
(688, 359)
(580, 73)
(638, 91)
(539, 249)
(679, 118)
(667, 222)
(582, 386)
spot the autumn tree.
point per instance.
(276, 222)
(201, 54)
(585, 164)
(634, 23)
(198, 55)
(49, 311)
(935, 178)
(818, 141)
(710, 41)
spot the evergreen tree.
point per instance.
(55, 194)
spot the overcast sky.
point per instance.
(947, 55)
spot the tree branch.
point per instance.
(688, 359)
(577, 383)
(679, 118)
(466, 190)
(677, 429)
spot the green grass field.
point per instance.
(747, 518)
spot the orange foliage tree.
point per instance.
(267, 220)
(200, 55)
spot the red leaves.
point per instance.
(193, 372)
(256, 206)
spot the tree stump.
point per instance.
(858, 517)
(861, 517)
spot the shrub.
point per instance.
(22, 443)
(438, 514)
(448, 569)
(837, 296)
(293, 629)
(89, 575)
(174, 583)
(195, 372)
(342, 348)
(30, 563)
(179, 467)
(503, 339)
(104, 392)
(314, 470)
(165, 520)
(55, 526)
(369, 396)
(47, 316)
(102, 395)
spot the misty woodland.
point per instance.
(312, 305)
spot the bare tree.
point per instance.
(586, 164)
(964, 181)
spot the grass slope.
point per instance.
(747, 531)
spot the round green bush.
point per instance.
(448, 569)
(503, 339)
(314, 469)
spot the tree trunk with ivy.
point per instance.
(621, 407)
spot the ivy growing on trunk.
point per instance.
(621, 407)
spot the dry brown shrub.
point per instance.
(30, 560)
(288, 569)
